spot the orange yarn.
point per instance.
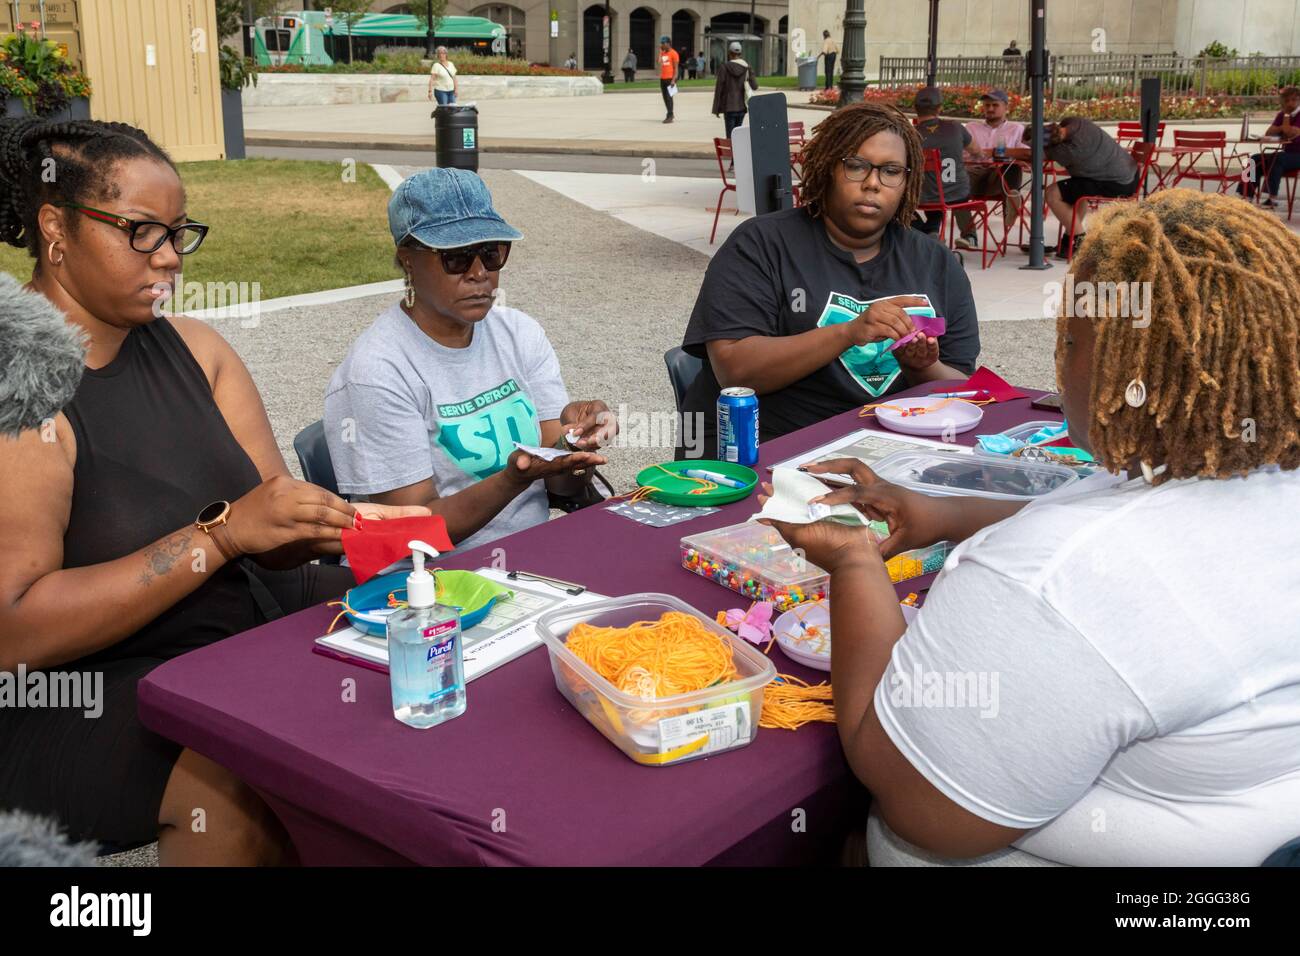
(677, 654)
(645, 491)
(908, 412)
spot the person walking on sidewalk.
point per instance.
(668, 60)
(729, 93)
(830, 50)
(442, 79)
(629, 66)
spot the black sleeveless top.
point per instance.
(152, 450)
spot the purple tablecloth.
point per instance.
(521, 778)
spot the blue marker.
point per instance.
(714, 477)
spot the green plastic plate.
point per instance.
(676, 490)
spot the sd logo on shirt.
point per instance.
(479, 433)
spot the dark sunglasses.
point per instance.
(457, 262)
(146, 235)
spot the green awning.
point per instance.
(405, 25)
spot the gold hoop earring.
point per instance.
(50, 253)
(409, 297)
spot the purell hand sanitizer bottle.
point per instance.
(426, 663)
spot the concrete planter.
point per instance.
(232, 122)
(321, 89)
(78, 109)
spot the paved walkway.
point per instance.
(629, 124)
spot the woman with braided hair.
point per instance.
(154, 515)
(802, 305)
(1117, 666)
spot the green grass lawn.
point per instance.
(294, 226)
(706, 83)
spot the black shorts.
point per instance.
(102, 778)
(1076, 187)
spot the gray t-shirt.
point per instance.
(950, 138)
(402, 408)
(1092, 153)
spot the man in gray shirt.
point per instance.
(953, 141)
(1098, 166)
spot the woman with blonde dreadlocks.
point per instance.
(1109, 675)
(801, 305)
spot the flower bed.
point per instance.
(964, 101)
(411, 63)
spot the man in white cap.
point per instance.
(729, 94)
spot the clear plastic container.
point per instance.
(912, 564)
(1021, 433)
(755, 561)
(665, 730)
(981, 476)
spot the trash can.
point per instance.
(456, 130)
(807, 72)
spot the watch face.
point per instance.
(212, 512)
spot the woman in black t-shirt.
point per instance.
(800, 305)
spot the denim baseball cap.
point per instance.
(999, 95)
(928, 98)
(446, 209)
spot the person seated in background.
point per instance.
(155, 515)
(802, 304)
(1286, 126)
(693, 64)
(1098, 166)
(954, 143)
(998, 176)
(1124, 678)
(428, 404)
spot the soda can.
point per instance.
(738, 426)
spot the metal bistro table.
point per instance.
(520, 778)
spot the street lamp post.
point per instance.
(428, 33)
(932, 48)
(853, 80)
(607, 39)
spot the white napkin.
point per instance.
(792, 491)
(545, 454)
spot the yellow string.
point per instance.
(645, 491)
(909, 412)
(676, 655)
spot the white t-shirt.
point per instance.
(1130, 658)
(402, 408)
(444, 77)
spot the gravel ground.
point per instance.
(612, 299)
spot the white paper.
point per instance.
(508, 631)
(791, 500)
(545, 454)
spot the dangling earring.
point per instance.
(409, 298)
(62, 256)
(1136, 393)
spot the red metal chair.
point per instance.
(722, 147)
(1132, 133)
(1198, 143)
(978, 207)
(1141, 153)
(797, 134)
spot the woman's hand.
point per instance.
(918, 354)
(523, 469)
(283, 511)
(831, 545)
(372, 511)
(914, 519)
(595, 423)
(885, 320)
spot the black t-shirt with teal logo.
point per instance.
(780, 274)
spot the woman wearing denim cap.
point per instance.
(431, 399)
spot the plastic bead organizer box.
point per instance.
(755, 561)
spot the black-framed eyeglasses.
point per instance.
(457, 262)
(146, 235)
(857, 170)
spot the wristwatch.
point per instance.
(212, 518)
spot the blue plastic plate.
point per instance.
(370, 601)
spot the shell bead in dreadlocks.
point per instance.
(1219, 354)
